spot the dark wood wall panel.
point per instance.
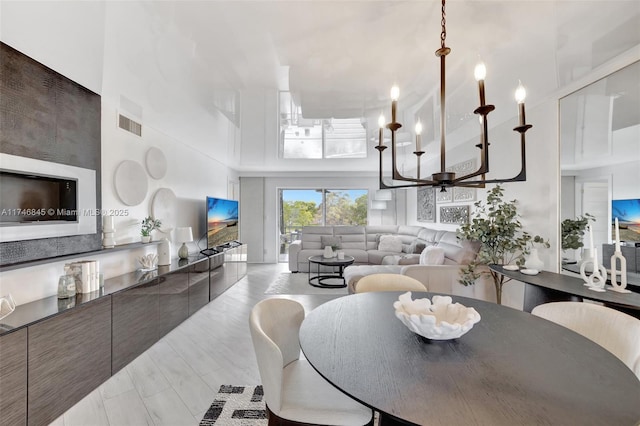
(13, 378)
(46, 116)
(69, 356)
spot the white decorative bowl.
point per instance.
(439, 319)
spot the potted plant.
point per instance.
(572, 232)
(148, 225)
(496, 225)
(533, 261)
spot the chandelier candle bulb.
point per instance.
(418, 131)
(395, 94)
(381, 124)
(521, 94)
(480, 73)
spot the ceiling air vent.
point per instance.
(129, 125)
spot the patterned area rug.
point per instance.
(289, 283)
(236, 405)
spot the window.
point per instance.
(319, 138)
(303, 207)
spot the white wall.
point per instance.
(197, 141)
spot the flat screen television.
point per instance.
(222, 222)
(628, 214)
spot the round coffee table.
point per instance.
(319, 279)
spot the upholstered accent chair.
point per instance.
(388, 282)
(294, 392)
(615, 331)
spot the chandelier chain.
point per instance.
(443, 23)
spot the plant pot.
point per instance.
(145, 238)
(328, 252)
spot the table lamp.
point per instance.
(184, 235)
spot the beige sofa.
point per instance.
(361, 242)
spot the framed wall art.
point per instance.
(462, 194)
(444, 196)
(426, 204)
(463, 167)
(454, 214)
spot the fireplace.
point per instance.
(42, 199)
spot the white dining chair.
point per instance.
(615, 331)
(294, 392)
(388, 282)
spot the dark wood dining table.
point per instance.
(511, 368)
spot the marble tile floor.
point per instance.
(174, 381)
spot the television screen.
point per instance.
(628, 214)
(222, 221)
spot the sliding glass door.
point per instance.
(303, 207)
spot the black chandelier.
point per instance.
(443, 178)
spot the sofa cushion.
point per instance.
(376, 256)
(334, 242)
(458, 252)
(430, 236)
(405, 259)
(390, 243)
(373, 233)
(311, 236)
(353, 237)
(432, 256)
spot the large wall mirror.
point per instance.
(600, 152)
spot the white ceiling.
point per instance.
(338, 58)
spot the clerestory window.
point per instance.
(302, 138)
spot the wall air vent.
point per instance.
(129, 125)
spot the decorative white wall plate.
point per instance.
(131, 182)
(164, 207)
(156, 163)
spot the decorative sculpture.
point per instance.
(598, 277)
(617, 255)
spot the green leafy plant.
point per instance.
(537, 239)
(496, 225)
(148, 225)
(573, 230)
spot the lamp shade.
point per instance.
(184, 234)
(383, 195)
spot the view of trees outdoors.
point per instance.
(300, 208)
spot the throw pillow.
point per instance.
(390, 243)
(416, 247)
(432, 256)
(335, 242)
(378, 236)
